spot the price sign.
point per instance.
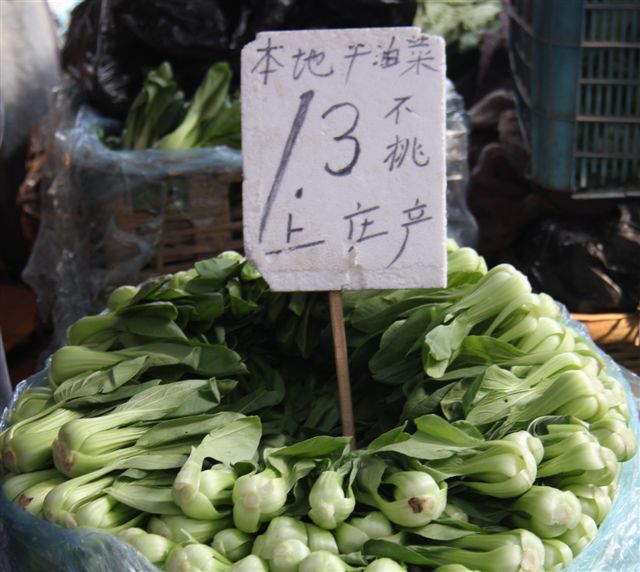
(343, 138)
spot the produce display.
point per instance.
(161, 118)
(197, 420)
(461, 23)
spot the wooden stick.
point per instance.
(342, 365)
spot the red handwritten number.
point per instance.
(346, 170)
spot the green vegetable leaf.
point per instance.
(421, 402)
(153, 327)
(444, 532)
(101, 381)
(442, 344)
(459, 433)
(478, 350)
(235, 442)
(160, 400)
(185, 427)
(121, 394)
(389, 438)
(397, 552)
(207, 102)
(147, 499)
(436, 438)
(159, 309)
(314, 448)
(150, 461)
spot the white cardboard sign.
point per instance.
(343, 140)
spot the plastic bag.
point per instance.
(588, 263)
(29, 544)
(616, 547)
(115, 217)
(5, 382)
(110, 43)
(461, 225)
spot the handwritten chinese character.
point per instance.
(291, 230)
(268, 63)
(399, 106)
(398, 151)
(421, 41)
(415, 215)
(418, 156)
(388, 57)
(421, 55)
(352, 56)
(364, 224)
(310, 61)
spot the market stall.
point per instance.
(273, 344)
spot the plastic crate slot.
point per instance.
(576, 65)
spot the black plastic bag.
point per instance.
(111, 44)
(592, 264)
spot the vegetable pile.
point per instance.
(461, 23)
(160, 118)
(196, 419)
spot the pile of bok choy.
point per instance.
(196, 419)
(161, 118)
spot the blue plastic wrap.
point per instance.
(29, 544)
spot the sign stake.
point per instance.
(342, 190)
(342, 365)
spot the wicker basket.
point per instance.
(202, 217)
(617, 334)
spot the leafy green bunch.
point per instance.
(196, 418)
(161, 118)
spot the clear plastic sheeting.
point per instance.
(113, 217)
(5, 382)
(616, 547)
(461, 225)
(28, 544)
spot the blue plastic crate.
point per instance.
(576, 65)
